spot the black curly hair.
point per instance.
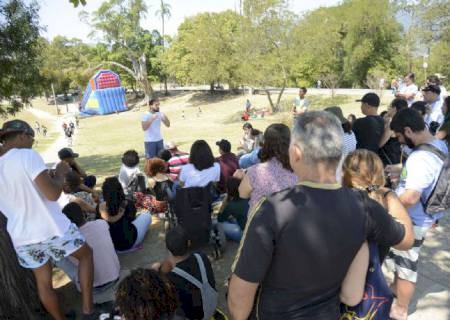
(146, 294)
(113, 195)
(276, 144)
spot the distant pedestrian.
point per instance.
(44, 131)
(37, 127)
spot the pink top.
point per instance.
(269, 177)
(106, 262)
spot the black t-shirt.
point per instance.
(391, 152)
(189, 295)
(299, 247)
(368, 132)
(123, 232)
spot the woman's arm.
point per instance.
(352, 289)
(245, 188)
(441, 134)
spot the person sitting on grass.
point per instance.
(189, 272)
(177, 160)
(250, 159)
(89, 181)
(246, 143)
(201, 169)
(233, 213)
(146, 294)
(127, 231)
(72, 182)
(129, 171)
(106, 262)
(274, 173)
(228, 161)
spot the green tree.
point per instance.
(19, 48)
(205, 49)
(164, 12)
(265, 46)
(119, 24)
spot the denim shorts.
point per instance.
(152, 148)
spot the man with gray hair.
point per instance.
(294, 236)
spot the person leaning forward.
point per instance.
(294, 236)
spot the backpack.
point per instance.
(439, 199)
(136, 184)
(209, 294)
(377, 299)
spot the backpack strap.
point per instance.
(188, 277)
(202, 268)
(431, 148)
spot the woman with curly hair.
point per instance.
(274, 172)
(127, 231)
(146, 294)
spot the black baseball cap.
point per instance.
(14, 126)
(65, 153)
(372, 99)
(224, 145)
(432, 88)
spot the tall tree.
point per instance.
(164, 12)
(19, 47)
(119, 23)
(266, 49)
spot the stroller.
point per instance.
(191, 208)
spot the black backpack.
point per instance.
(439, 199)
(137, 184)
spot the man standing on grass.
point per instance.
(369, 130)
(151, 124)
(38, 229)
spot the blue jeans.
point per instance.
(232, 231)
(152, 148)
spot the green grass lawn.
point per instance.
(41, 143)
(103, 139)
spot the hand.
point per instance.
(239, 174)
(95, 196)
(62, 168)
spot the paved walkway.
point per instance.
(432, 298)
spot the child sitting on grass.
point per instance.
(233, 213)
(191, 274)
(106, 262)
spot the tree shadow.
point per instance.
(201, 98)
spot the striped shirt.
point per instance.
(176, 163)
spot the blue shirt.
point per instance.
(249, 159)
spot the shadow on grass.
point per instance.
(202, 98)
(100, 165)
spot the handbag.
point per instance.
(377, 298)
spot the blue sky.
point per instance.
(59, 17)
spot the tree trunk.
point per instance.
(280, 94)
(211, 87)
(19, 299)
(166, 92)
(272, 107)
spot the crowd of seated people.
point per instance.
(274, 185)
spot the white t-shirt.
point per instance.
(32, 218)
(412, 88)
(153, 133)
(126, 174)
(421, 173)
(194, 178)
(106, 262)
(65, 199)
(436, 114)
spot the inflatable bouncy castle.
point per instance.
(104, 94)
